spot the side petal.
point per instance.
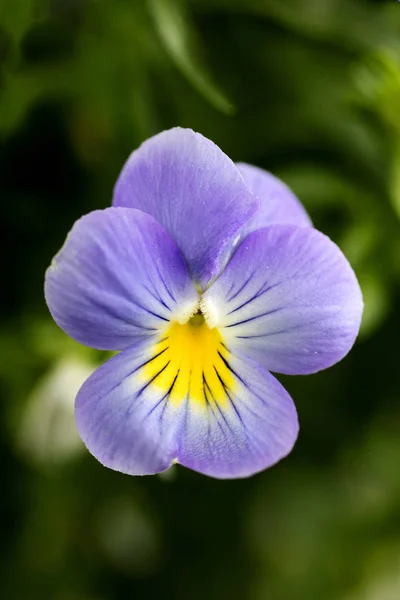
(194, 190)
(125, 421)
(133, 417)
(289, 299)
(247, 429)
(278, 204)
(119, 276)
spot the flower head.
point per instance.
(206, 276)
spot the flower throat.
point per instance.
(190, 361)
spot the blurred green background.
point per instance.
(308, 89)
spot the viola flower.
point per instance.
(206, 276)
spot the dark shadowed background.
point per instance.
(308, 89)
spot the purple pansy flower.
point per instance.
(207, 276)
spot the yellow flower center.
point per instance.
(191, 362)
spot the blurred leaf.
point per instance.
(17, 16)
(395, 179)
(376, 301)
(382, 575)
(48, 341)
(317, 186)
(180, 40)
(360, 241)
(377, 80)
(351, 22)
(21, 91)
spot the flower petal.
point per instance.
(147, 408)
(254, 426)
(288, 299)
(125, 421)
(119, 276)
(278, 204)
(194, 190)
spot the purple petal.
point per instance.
(119, 276)
(125, 421)
(289, 299)
(278, 204)
(254, 427)
(194, 190)
(144, 409)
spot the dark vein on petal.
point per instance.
(271, 312)
(230, 290)
(169, 393)
(241, 288)
(224, 419)
(140, 392)
(251, 337)
(244, 383)
(228, 366)
(258, 294)
(117, 385)
(108, 310)
(154, 314)
(164, 284)
(148, 361)
(165, 397)
(226, 390)
(156, 297)
(272, 333)
(207, 390)
(204, 388)
(219, 410)
(209, 408)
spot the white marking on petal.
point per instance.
(211, 312)
(185, 312)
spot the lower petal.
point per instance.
(126, 422)
(249, 428)
(185, 398)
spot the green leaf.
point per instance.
(394, 182)
(376, 302)
(180, 40)
(377, 82)
(18, 16)
(350, 22)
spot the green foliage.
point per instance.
(179, 37)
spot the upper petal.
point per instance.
(118, 276)
(194, 190)
(278, 204)
(289, 299)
